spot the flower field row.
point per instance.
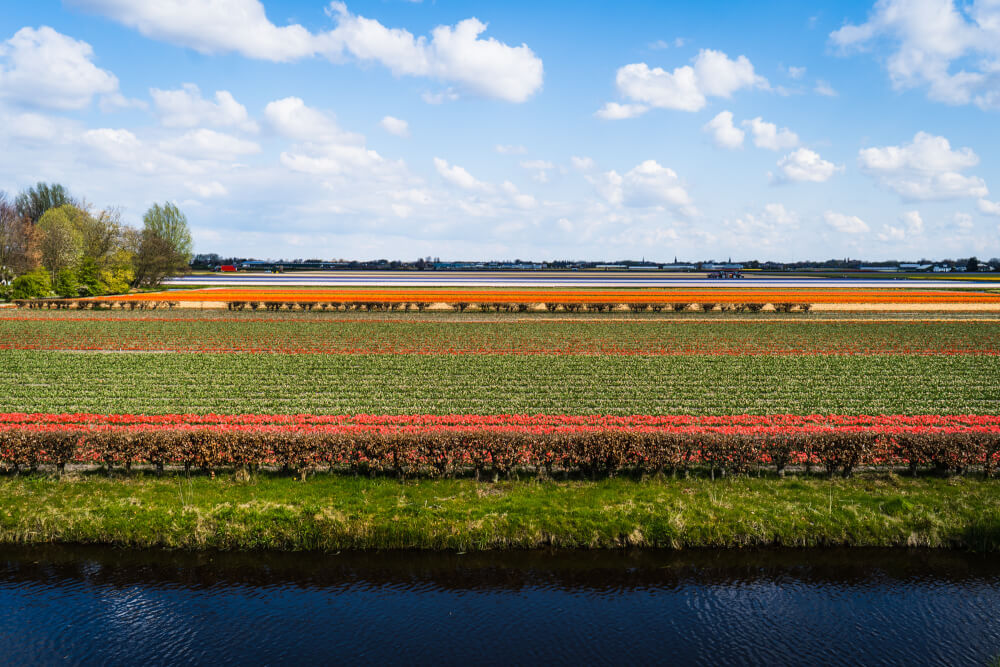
(443, 451)
(582, 296)
(293, 335)
(534, 423)
(63, 382)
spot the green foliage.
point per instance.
(170, 224)
(274, 511)
(61, 242)
(31, 285)
(234, 383)
(66, 284)
(34, 202)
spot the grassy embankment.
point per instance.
(334, 512)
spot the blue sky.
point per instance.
(534, 130)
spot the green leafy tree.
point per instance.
(31, 285)
(66, 284)
(170, 224)
(972, 265)
(34, 202)
(163, 247)
(60, 241)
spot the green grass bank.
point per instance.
(332, 512)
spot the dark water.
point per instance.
(104, 606)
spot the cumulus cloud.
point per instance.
(686, 88)
(952, 51)
(540, 168)
(925, 168)
(805, 165)
(824, 88)
(913, 222)
(767, 227)
(890, 234)
(767, 135)
(846, 224)
(517, 198)
(42, 67)
(455, 54)
(185, 107)
(724, 133)
(209, 145)
(208, 189)
(396, 126)
(293, 119)
(507, 149)
(647, 184)
(989, 207)
(458, 176)
(323, 148)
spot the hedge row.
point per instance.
(440, 453)
(376, 306)
(94, 304)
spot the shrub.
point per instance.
(755, 307)
(31, 285)
(679, 307)
(707, 307)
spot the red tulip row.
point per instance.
(449, 450)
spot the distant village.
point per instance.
(215, 262)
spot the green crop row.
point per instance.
(36, 381)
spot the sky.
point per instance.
(485, 130)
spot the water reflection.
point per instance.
(95, 605)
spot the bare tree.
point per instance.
(17, 248)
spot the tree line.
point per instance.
(53, 244)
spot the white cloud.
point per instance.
(458, 176)
(890, 234)
(540, 167)
(824, 88)
(963, 221)
(511, 149)
(582, 163)
(45, 68)
(395, 126)
(645, 185)
(952, 51)
(846, 224)
(185, 107)
(117, 102)
(989, 207)
(441, 97)
(454, 54)
(767, 135)
(914, 223)
(292, 119)
(803, 164)
(616, 111)
(778, 214)
(925, 168)
(214, 26)
(724, 133)
(517, 198)
(208, 189)
(796, 72)
(209, 145)
(713, 74)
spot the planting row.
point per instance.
(595, 337)
(537, 423)
(63, 382)
(447, 452)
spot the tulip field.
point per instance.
(426, 392)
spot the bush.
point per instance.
(679, 307)
(31, 285)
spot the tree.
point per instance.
(17, 249)
(60, 242)
(170, 224)
(156, 259)
(34, 202)
(972, 265)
